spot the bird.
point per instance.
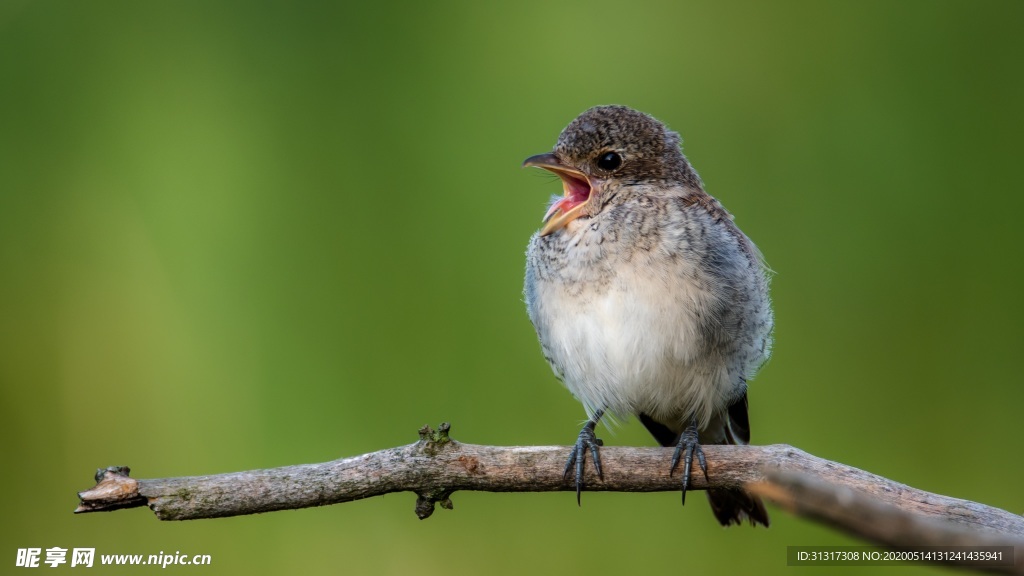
(647, 299)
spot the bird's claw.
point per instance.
(688, 447)
(587, 441)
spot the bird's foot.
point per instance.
(688, 447)
(587, 441)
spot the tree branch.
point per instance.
(861, 503)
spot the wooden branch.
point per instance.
(861, 503)
(937, 521)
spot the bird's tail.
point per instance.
(734, 505)
(730, 505)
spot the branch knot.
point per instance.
(425, 502)
(431, 441)
(113, 490)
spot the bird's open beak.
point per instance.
(576, 185)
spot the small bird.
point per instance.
(646, 297)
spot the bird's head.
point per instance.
(602, 153)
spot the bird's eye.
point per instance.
(609, 161)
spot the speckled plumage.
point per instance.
(652, 302)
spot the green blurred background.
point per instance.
(239, 235)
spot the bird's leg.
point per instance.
(687, 447)
(587, 440)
